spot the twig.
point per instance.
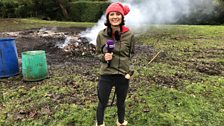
(154, 57)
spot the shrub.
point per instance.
(24, 10)
(8, 9)
(87, 11)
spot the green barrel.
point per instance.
(34, 65)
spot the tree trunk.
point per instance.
(63, 9)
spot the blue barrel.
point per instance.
(9, 65)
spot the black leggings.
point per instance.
(105, 85)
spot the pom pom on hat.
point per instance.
(118, 7)
(126, 10)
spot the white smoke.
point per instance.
(91, 33)
(146, 12)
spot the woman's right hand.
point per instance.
(108, 56)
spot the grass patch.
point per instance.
(184, 85)
(23, 24)
(163, 106)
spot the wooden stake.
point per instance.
(154, 57)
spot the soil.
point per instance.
(29, 40)
(84, 61)
(83, 56)
(57, 58)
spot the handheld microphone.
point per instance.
(110, 45)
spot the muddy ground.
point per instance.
(48, 39)
(84, 57)
(80, 59)
(41, 39)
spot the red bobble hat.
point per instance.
(118, 7)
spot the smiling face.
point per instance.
(115, 18)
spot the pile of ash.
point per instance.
(53, 39)
(78, 46)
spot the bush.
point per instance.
(201, 18)
(87, 11)
(24, 10)
(8, 9)
(46, 9)
(80, 11)
(1, 8)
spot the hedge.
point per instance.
(87, 11)
(7, 9)
(80, 11)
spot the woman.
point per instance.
(115, 61)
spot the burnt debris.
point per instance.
(52, 39)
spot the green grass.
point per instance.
(162, 106)
(183, 86)
(22, 24)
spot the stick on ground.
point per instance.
(154, 57)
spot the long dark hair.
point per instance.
(109, 29)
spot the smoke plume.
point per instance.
(145, 12)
